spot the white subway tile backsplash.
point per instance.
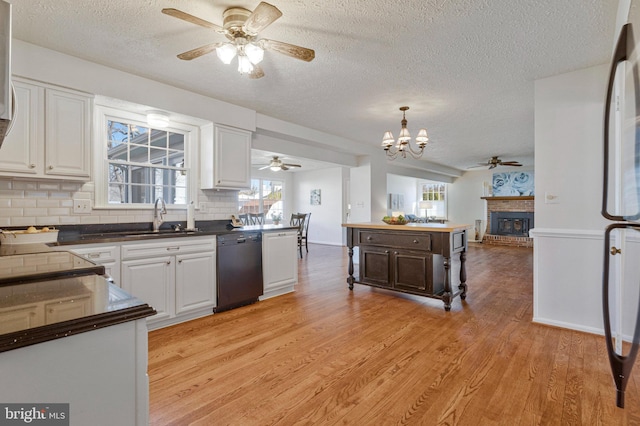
(20, 184)
(35, 194)
(31, 211)
(46, 186)
(54, 194)
(44, 202)
(59, 211)
(26, 203)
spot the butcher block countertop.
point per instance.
(421, 227)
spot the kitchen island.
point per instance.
(417, 258)
(69, 336)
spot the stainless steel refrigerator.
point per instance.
(621, 205)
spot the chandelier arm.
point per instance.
(415, 154)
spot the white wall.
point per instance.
(569, 112)
(408, 187)
(325, 226)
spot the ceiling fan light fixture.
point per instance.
(254, 52)
(226, 52)
(157, 119)
(244, 64)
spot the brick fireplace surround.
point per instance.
(507, 204)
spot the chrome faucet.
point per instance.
(158, 219)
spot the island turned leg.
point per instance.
(350, 278)
(447, 295)
(463, 275)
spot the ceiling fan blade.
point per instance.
(256, 72)
(199, 51)
(261, 18)
(193, 19)
(478, 166)
(265, 167)
(292, 165)
(292, 50)
(510, 163)
(284, 167)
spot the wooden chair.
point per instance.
(297, 220)
(244, 218)
(256, 218)
(305, 230)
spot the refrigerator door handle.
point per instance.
(620, 54)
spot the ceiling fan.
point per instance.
(241, 27)
(276, 164)
(495, 162)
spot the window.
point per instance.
(140, 163)
(436, 194)
(265, 196)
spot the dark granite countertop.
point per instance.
(99, 304)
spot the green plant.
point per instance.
(276, 216)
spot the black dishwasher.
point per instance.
(239, 269)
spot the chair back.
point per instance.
(244, 218)
(297, 220)
(307, 219)
(256, 218)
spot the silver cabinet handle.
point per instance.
(173, 248)
(32, 166)
(50, 167)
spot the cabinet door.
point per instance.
(412, 271)
(68, 134)
(152, 281)
(279, 261)
(375, 266)
(232, 158)
(195, 281)
(21, 318)
(22, 145)
(66, 310)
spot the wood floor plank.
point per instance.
(327, 355)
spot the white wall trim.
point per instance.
(566, 233)
(571, 326)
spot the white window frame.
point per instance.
(444, 203)
(103, 113)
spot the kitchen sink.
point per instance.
(129, 235)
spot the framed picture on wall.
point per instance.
(400, 201)
(393, 201)
(316, 199)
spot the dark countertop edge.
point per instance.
(49, 275)
(45, 333)
(119, 237)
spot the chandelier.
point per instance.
(403, 146)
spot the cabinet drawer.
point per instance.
(172, 246)
(420, 241)
(98, 254)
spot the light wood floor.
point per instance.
(325, 355)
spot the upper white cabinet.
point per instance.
(226, 158)
(51, 134)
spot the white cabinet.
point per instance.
(107, 255)
(194, 273)
(51, 135)
(279, 262)
(177, 277)
(225, 157)
(21, 318)
(68, 309)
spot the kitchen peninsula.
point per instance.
(416, 258)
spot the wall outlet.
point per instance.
(202, 206)
(81, 206)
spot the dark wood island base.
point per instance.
(416, 258)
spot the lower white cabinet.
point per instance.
(107, 255)
(279, 262)
(177, 277)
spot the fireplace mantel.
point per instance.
(521, 197)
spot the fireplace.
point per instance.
(509, 220)
(515, 224)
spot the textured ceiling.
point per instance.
(466, 68)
